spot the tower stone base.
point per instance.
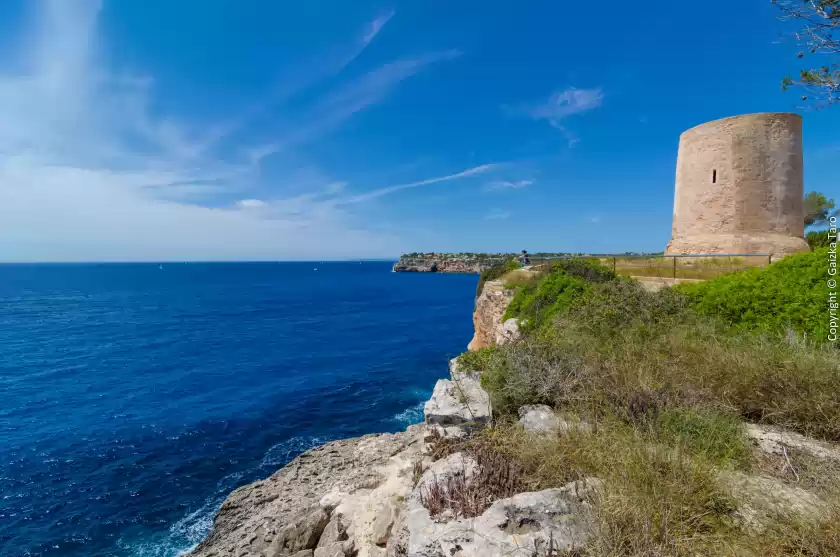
(775, 244)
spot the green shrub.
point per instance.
(492, 273)
(818, 239)
(714, 435)
(538, 302)
(590, 270)
(791, 293)
(620, 304)
(479, 360)
(654, 354)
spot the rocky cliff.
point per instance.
(369, 497)
(391, 495)
(490, 307)
(438, 265)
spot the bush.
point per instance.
(493, 273)
(789, 294)
(818, 239)
(589, 270)
(539, 301)
(716, 436)
(653, 354)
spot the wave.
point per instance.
(185, 534)
(411, 415)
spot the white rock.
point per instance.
(441, 470)
(331, 550)
(773, 440)
(538, 418)
(508, 332)
(385, 518)
(761, 498)
(461, 401)
(510, 527)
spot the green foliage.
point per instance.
(477, 361)
(714, 435)
(622, 304)
(819, 239)
(492, 273)
(791, 293)
(817, 209)
(590, 270)
(538, 302)
(820, 20)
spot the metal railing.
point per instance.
(698, 266)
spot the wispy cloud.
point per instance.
(508, 184)
(375, 26)
(497, 214)
(563, 104)
(482, 169)
(298, 80)
(335, 108)
(89, 172)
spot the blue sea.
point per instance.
(135, 397)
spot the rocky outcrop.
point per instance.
(545, 521)
(539, 418)
(334, 500)
(490, 307)
(459, 401)
(438, 265)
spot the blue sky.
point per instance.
(220, 130)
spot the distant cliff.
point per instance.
(440, 265)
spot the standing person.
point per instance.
(525, 259)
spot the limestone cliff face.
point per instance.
(487, 317)
(429, 265)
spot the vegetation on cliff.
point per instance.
(790, 294)
(664, 382)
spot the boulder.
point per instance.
(331, 550)
(458, 402)
(773, 440)
(515, 526)
(538, 418)
(331, 491)
(761, 498)
(508, 332)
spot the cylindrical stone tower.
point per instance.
(739, 187)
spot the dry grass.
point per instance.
(686, 267)
(634, 354)
(657, 499)
(497, 476)
(666, 392)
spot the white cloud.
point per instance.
(566, 103)
(560, 106)
(375, 26)
(497, 214)
(484, 168)
(87, 173)
(250, 203)
(508, 184)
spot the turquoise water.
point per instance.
(134, 397)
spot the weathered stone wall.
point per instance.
(739, 187)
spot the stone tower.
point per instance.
(739, 187)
